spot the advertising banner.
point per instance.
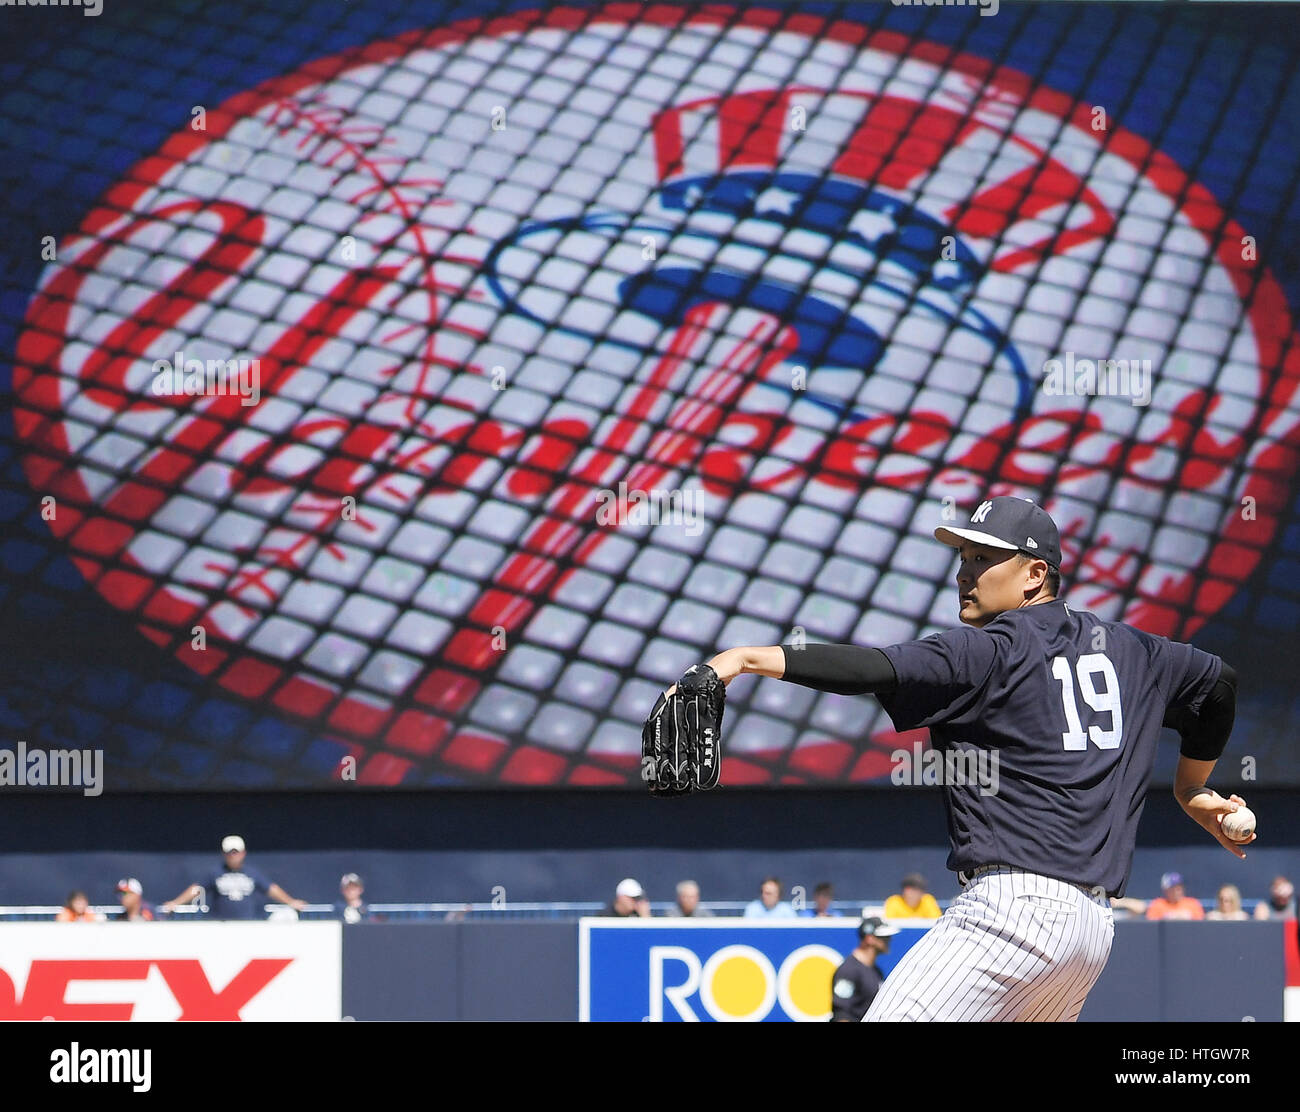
(725, 970)
(167, 971)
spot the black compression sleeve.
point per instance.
(1205, 733)
(841, 669)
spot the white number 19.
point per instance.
(1088, 666)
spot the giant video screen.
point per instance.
(405, 394)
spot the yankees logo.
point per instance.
(467, 334)
(981, 513)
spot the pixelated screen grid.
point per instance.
(335, 657)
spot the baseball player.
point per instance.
(857, 980)
(1070, 707)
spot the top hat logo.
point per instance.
(828, 330)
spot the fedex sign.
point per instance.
(166, 971)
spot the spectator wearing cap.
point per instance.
(769, 904)
(1174, 902)
(823, 903)
(1280, 903)
(350, 907)
(76, 909)
(913, 901)
(688, 903)
(857, 980)
(629, 901)
(230, 889)
(130, 894)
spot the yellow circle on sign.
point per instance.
(810, 985)
(740, 986)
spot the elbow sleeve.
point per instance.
(840, 669)
(1205, 731)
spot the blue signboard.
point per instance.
(722, 970)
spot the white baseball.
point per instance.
(1240, 824)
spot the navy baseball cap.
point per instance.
(1016, 524)
(875, 927)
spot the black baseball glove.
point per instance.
(681, 742)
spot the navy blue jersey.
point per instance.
(349, 914)
(853, 987)
(231, 893)
(1071, 707)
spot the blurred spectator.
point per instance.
(1280, 903)
(229, 888)
(351, 908)
(823, 903)
(1126, 907)
(1228, 905)
(1174, 902)
(857, 980)
(130, 893)
(913, 902)
(769, 904)
(76, 909)
(688, 903)
(629, 901)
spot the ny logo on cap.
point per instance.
(981, 513)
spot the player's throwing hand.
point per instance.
(1206, 807)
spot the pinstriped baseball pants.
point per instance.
(1013, 946)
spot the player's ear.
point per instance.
(1037, 569)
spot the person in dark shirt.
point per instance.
(130, 892)
(630, 901)
(350, 907)
(231, 889)
(857, 980)
(1047, 720)
(1280, 903)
